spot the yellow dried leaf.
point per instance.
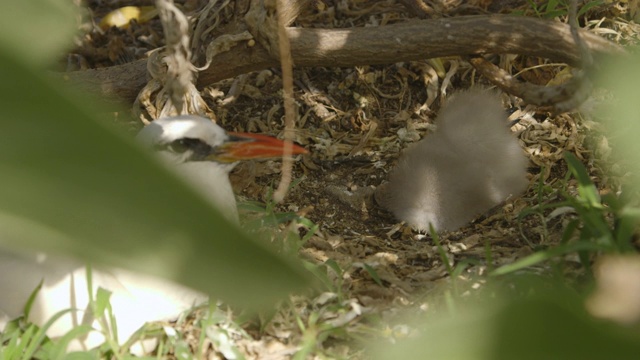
(122, 17)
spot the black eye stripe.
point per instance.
(198, 148)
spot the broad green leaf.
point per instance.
(549, 325)
(622, 112)
(37, 30)
(71, 184)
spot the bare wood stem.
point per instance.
(412, 40)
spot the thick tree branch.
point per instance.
(413, 40)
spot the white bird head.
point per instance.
(187, 138)
(203, 154)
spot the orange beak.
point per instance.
(245, 146)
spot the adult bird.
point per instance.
(196, 149)
(203, 154)
(469, 165)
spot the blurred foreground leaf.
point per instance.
(72, 185)
(553, 325)
(622, 112)
(37, 30)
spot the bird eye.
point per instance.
(178, 146)
(195, 149)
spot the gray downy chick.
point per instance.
(469, 165)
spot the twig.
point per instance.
(289, 103)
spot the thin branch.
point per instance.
(289, 103)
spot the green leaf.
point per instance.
(588, 6)
(59, 348)
(627, 223)
(586, 189)
(552, 5)
(37, 30)
(334, 266)
(443, 254)
(622, 112)
(374, 275)
(89, 355)
(101, 302)
(35, 341)
(72, 185)
(30, 301)
(546, 326)
(541, 256)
